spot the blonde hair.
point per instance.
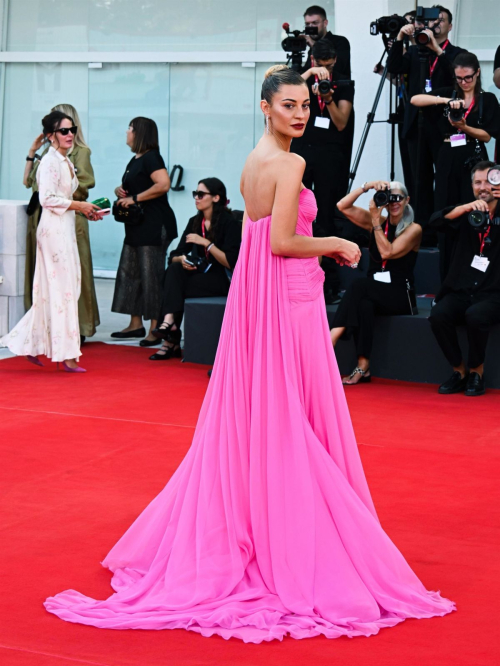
(273, 69)
(70, 110)
(408, 214)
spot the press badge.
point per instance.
(383, 276)
(481, 263)
(324, 123)
(458, 140)
(428, 85)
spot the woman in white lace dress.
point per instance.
(50, 327)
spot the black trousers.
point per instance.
(364, 299)
(327, 174)
(479, 312)
(180, 284)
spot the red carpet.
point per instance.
(83, 454)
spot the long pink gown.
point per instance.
(267, 528)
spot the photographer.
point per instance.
(470, 294)
(388, 289)
(326, 145)
(315, 17)
(467, 124)
(440, 54)
(199, 265)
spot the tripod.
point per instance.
(393, 118)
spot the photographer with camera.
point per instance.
(471, 117)
(388, 289)
(199, 266)
(326, 146)
(470, 294)
(316, 22)
(434, 47)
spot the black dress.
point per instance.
(180, 283)
(365, 298)
(142, 261)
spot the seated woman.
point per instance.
(394, 243)
(213, 238)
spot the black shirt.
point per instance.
(401, 269)
(318, 136)
(343, 50)
(496, 63)
(226, 237)
(157, 212)
(490, 121)
(409, 63)
(462, 278)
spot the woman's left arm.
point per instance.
(161, 186)
(408, 241)
(84, 173)
(473, 132)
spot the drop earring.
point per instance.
(267, 125)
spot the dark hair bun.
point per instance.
(53, 121)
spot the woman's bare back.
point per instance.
(265, 165)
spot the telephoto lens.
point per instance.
(421, 37)
(494, 175)
(324, 86)
(456, 114)
(381, 198)
(479, 220)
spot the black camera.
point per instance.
(325, 85)
(456, 115)
(388, 25)
(494, 175)
(385, 197)
(295, 44)
(423, 16)
(200, 263)
(480, 220)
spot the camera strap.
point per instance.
(433, 66)
(482, 240)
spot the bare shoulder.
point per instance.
(289, 168)
(292, 160)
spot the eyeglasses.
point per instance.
(199, 194)
(465, 79)
(66, 130)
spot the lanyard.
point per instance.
(482, 240)
(321, 101)
(204, 235)
(471, 106)
(386, 232)
(433, 66)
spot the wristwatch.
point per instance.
(32, 159)
(134, 197)
(328, 103)
(363, 186)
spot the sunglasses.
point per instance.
(199, 194)
(396, 198)
(465, 79)
(66, 130)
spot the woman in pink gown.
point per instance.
(267, 528)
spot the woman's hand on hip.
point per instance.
(197, 240)
(120, 192)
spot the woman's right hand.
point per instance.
(378, 185)
(37, 144)
(120, 192)
(185, 265)
(344, 252)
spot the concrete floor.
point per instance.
(110, 321)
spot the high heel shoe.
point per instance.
(170, 352)
(35, 360)
(66, 368)
(163, 331)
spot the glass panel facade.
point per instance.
(479, 25)
(151, 25)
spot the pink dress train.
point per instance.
(267, 528)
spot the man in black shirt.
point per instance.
(470, 293)
(315, 17)
(439, 73)
(496, 81)
(326, 146)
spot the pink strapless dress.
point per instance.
(267, 528)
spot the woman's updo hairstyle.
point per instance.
(277, 76)
(52, 121)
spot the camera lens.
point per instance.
(494, 175)
(456, 114)
(478, 219)
(324, 87)
(422, 38)
(381, 198)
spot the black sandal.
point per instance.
(168, 353)
(362, 380)
(163, 331)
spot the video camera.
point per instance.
(325, 85)
(295, 44)
(424, 15)
(388, 25)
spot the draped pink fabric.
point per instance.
(267, 528)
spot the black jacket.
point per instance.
(409, 63)
(343, 49)
(227, 238)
